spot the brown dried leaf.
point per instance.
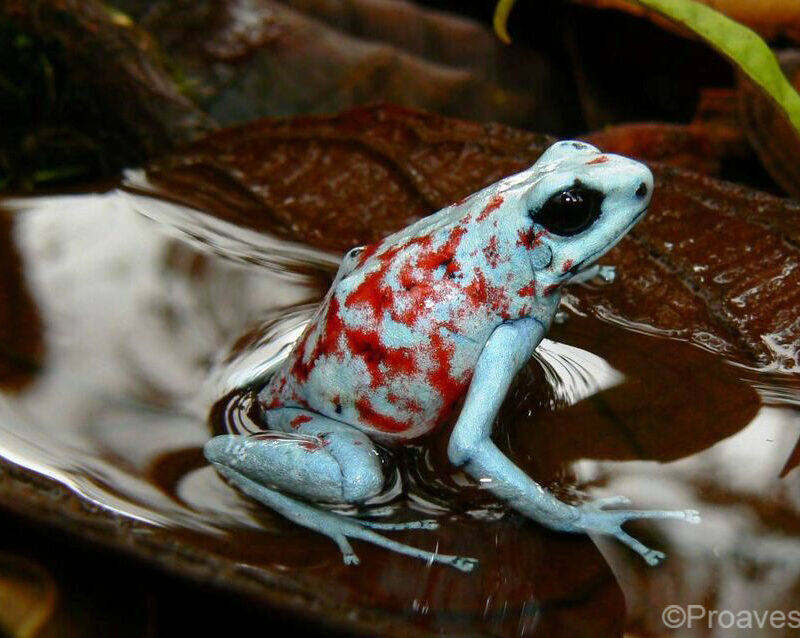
(773, 138)
(710, 144)
(712, 262)
(272, 58)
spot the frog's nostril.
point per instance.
(641, 192)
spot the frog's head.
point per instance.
(580, 203)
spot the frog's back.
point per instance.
(392, 348)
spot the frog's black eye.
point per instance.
(571, 211)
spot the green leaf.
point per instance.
(501, 13)
(735, 41)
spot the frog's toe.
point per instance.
(654, 557)
(348, 555)
(607, 273)
(350, 559)
(592, 518)
(692, 516)
(464, 563)
(651, 556)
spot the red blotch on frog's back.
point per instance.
(367, 345)
(449, 389)
(480, 292)
(382, 422)
(494, 203)
(492, 252)
(445, 254)
(371, 291)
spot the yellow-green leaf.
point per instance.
(501, 13)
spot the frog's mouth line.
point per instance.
(588, 262)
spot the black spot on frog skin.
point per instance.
(641, 192)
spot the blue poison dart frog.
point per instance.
(447, 309)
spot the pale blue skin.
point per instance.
(330, 457)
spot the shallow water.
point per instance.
(154, 316)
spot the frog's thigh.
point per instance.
(321, 460)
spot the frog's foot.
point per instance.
(336, 527)
(593, 518)
(319, 460)
(603, 274)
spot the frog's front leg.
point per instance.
(470, 446)
(318, 459)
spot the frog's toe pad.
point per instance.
(607, 273)
(464, 563)
(350, 559)
(693, 517)
(654, 557)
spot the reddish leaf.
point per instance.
(712, 262)
(709, 144)
(772, 137)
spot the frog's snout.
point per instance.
(642, 187)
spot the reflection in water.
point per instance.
(574, 374)
(748, 554)
(144, 304)
(133, 321)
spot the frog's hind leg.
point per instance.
(337, 528)
(321, 460)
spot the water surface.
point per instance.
(158, 321)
